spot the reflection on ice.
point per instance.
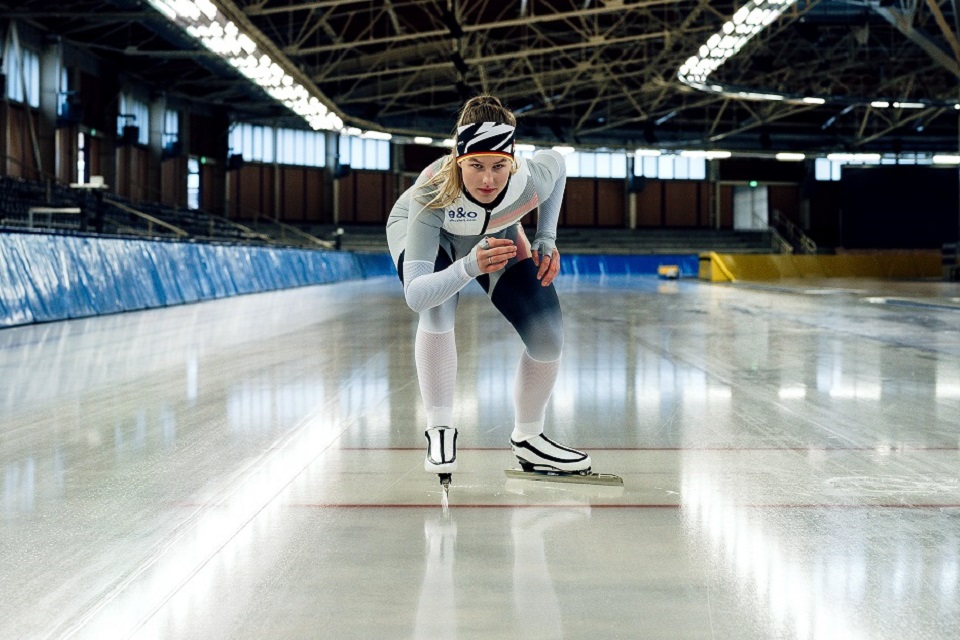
(819, 572)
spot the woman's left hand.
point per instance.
(549, 266)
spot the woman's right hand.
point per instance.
(494, 253)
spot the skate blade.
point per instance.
(604, 479)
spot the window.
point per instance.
(171, 128)
(302, 148)
(23, 75)
(63, 92)
(284, 146)
(365, 153)
(193, 183)
(81, 158)
(133, 113)
(596, 164)
(670, 167)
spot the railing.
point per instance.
(303, 236)
(44, 204)
(798, 238)
(780, 245)
(150, 220)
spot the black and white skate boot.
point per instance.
(441, 455)
(542, 454)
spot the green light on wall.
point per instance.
(753, 183)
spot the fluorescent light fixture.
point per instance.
(525, 147)
(448, 142)
(909, 105)
(946, 159)
(564, 150)
(709, 155)
(790, 157)
(752, 95)
(423, 140)
(377, 135)
(752, 18)
(352, 131)
(647, 153)
(880, 104)
(853, 157)
(810, 100)
(215, 31)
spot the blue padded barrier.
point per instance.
(45, 278)
(584, 264)
(51, 277)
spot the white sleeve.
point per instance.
(425, 289)
(551, 177)
(422, 287)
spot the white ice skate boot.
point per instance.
(542, 454)
(441, 450)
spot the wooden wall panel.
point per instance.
(611, 203)
(313, 197)
(786, 200)
(93, 156)
(346, 208)
(705, 191)
(66, 147)
(208, 192)
(370, 196)
(681, 199)
(133, 164)
(650, 205)
(248, 197)
(580, 198)
(173, 183)
(292, 193)
(19, 156)
(726, 206)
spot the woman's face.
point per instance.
(484, 177)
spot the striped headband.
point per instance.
(479, 138)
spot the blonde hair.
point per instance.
(446, 185)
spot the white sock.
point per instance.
(436, 355)
(532, 389)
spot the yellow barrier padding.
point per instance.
(716, 267)
(713, 269)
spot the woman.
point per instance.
(460, 222)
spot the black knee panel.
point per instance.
(532, 309)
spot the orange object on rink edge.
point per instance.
(669, 271)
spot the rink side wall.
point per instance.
(48, 277)
(45, 278)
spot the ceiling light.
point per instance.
(423, 140)
(748, 21)
(854, 157)
(790, 157)
(564, 150)
(943, 159)
(880, 104)
(709, 155)
(814, 100)
(648, 153)
(524, 147)
(909, 105)
(215, 31)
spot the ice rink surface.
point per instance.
(252, 468)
